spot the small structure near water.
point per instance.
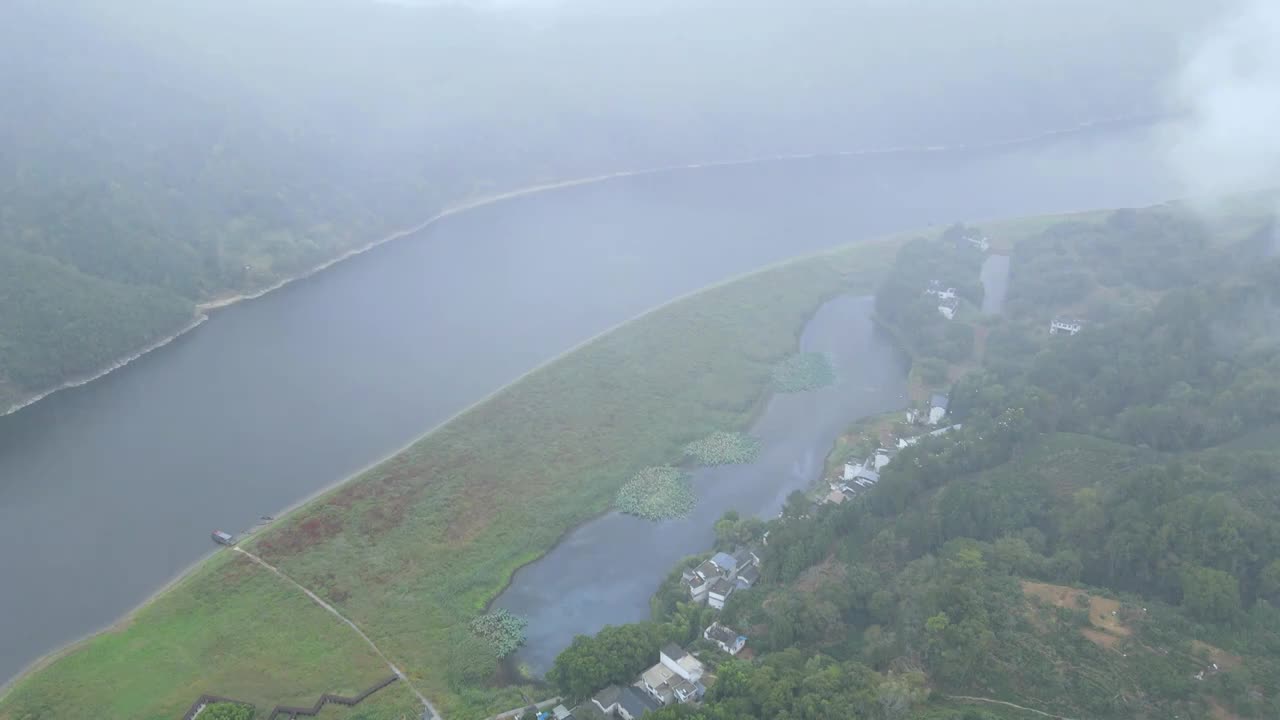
(223, 538)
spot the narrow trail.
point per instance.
(508, 715)
(425, 702)
(1009, 704)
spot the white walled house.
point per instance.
(727, 639)
(948, 308)
(937, 408)
(1069, 327)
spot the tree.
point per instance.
(1269, 582)
(614, 655)
(1210, 594)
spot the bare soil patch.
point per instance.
(1104, 613)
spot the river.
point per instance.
(110, 489)
(604, 572)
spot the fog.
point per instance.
(1229, 87)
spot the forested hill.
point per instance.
(159, 154)
(1101, 537)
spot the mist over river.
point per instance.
(110, 489)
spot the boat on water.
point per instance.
(223, 538)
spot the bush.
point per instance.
(227, 711)
(724, 448)
(503, 631)
(803, 371)
(657, 493)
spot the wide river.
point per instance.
(110, 489)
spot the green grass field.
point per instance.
(414, 548)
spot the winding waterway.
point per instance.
(110, 489)
(604, 572)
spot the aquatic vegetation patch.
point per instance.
(724, 448)
(657, 493)
(803, 371)
(503, 631)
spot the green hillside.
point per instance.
(1099, 540)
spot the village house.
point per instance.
(1061, 325)
(627, 703)
(978, 241)
(935, 288)
(937, 408)
(948, 308)
(676, 677)
(716, 578)
(908, 442)
(727, 639)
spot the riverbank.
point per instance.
(440, 521)
(203, 308)
(414, 547)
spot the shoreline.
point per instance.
(202, 309)
(248, 537)
(199, 320)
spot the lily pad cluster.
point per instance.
(724, 448)
(657, 493)
(803, 371)
(503, 631)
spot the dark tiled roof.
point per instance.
(673, 651)
(608, 696)
(636, 702)
(721, 587)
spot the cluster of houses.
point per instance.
(676, 678)
(719, 576)
(932, 414)
(858, 476)
(948, 303)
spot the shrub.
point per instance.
(724, 448)
(657, 493)
(503, 631)
(803, 371)
(227, 711)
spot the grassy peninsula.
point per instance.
(414, 549)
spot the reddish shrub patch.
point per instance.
(301, 535)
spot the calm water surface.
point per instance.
(108, 490)
(614, 563)
(995, 283)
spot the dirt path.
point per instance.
(516, 712)
(425, 702)
(1007, 704)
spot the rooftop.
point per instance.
(721, 587)
(721, 633)
(725, 561)
(938, 400)
(608, 696)
(636, 703)
(673, 651)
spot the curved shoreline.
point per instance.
(250, 535)
(202, 309)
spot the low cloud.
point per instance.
(1229, 88)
